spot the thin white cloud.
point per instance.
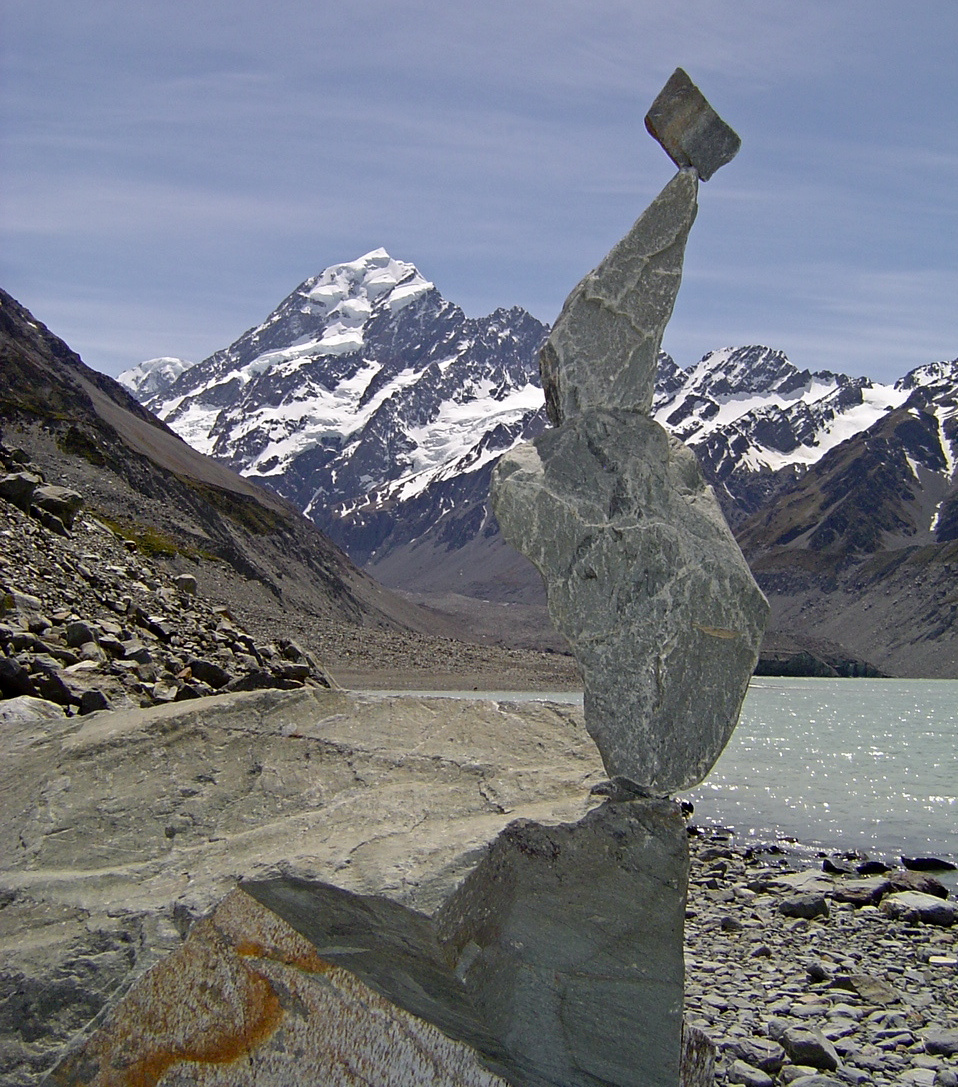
(149, 148)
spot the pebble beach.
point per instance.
(813, 978)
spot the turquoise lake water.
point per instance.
(851, 764)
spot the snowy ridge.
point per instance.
(379, 408)
(779, 414)
(149, 378)
(937, 382)
(344, 295)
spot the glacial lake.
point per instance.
(868, 764)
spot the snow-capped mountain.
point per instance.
(748, 412)
(151, 377)
(787, 416)
(362, 390)
(891, 485)
(862, 547)
(379, 408)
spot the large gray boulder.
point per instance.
(647, 584)
(19, 488)
(58, 502)
(441, 854)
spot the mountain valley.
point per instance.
(177, 512)
(379, 409)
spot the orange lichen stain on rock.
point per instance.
(201, 1004)
(226, 1042)
(256, 932)
(309, 962)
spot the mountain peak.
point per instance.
(349, 291)
(733, 371)
(932, 375)
(152, 376)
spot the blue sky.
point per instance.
(170, 170)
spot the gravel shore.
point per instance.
(370, 658)
(796, 986)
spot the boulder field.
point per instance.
(88, 621)
(820, 978)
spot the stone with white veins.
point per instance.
(643, 576)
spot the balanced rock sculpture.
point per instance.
(409, 890)
(643, 576)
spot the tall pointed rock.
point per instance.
(604, 347)
(643, 576)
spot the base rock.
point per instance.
(442, 855)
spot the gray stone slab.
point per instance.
(691, 132)
(568, 940)
(604, 347)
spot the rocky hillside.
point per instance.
(83, 430)
(180, 512)
(89, 622)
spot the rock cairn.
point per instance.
(818, 978)
(87, 622)
(642, 574)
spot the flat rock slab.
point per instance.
(243, 782)
(811, 881)
(871, 989)
(689, 130)
(26, 710)
(458, 833)
(645, 581)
